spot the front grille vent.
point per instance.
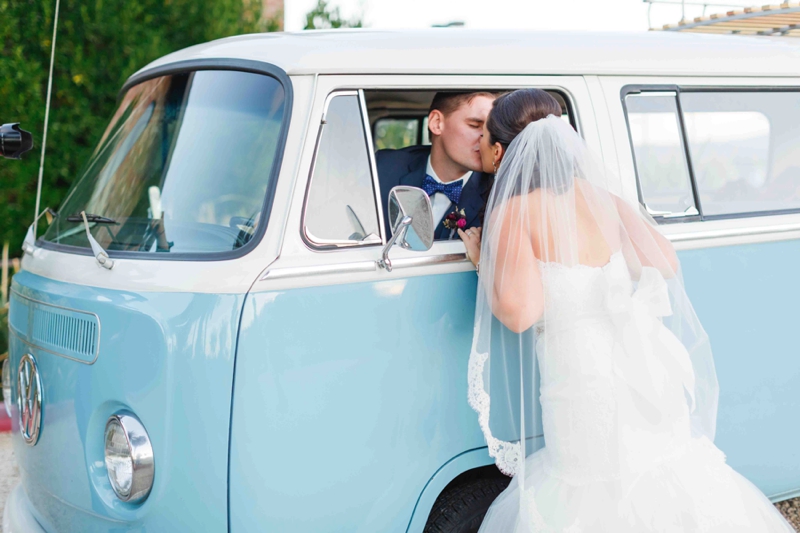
(66, 332)
(61, 330)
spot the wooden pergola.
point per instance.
(776, 20)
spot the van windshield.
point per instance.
(183, 167)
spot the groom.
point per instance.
(450, 169)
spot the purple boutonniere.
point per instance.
(455, 220)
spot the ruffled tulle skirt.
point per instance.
(693, 491)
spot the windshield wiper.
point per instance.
(97, 219)
(99, 252)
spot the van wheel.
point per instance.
(461, 508)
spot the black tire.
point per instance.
(461, 508)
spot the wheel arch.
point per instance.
(467, 465)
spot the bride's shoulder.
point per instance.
(515, 203)
(512, 209)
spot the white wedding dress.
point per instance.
(613, 463)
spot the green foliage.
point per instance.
(100, 43)
(323, 17)
(396, 133)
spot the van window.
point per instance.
(399, 118)
(745, 150)
(663, 171)
(395, 133)
(742, 145)
(183, 167)
(341, 208)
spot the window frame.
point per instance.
(317, 243)
(662, 217)
(442, 252)
(678, 90)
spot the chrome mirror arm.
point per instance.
(399, 235)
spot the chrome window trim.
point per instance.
(693, 212)
(734, 232)
(360, 266)
(317, 243)
(376, 185)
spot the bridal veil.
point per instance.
(555, 206)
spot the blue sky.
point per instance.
(620, 15)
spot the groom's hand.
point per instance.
(472, 240)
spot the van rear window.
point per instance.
(183, 167)
(745, 149)
(715, 153)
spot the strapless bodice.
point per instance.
(574, 293)
(599, 369)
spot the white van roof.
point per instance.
(465, 51)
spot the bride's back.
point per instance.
(580, 230)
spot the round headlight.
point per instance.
(129, 458)
(7, 386)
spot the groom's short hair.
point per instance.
(447, 102)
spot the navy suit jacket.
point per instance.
(407, 166)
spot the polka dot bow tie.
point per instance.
(451, 190)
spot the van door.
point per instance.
(351, 382)
(718, 165)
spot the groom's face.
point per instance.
(460, 132)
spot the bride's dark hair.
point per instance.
(515, 110)
(510, 114)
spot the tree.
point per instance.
(323, 17)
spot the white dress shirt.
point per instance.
(440, 203)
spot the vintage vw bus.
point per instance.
(215, 343)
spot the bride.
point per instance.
(577, 279)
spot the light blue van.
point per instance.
(229, 351)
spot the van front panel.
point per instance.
(167, 358)
(348, 398)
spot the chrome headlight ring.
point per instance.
(129, 458)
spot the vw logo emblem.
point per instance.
(29, 399)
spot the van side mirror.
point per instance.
(411, 220)
(14, 141)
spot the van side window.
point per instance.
(399, 132)
(744, 150)
(713, 152)
(341, 208)
(655, 131)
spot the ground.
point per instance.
(791, 510)
(9, 473)
(9, 476)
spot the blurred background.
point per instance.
(102, 42)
